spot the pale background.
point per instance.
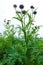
(7, 11)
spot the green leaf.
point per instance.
(30, 20)
(20, 19)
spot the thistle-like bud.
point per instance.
(15, 6)
(34, 12)
(23, 12)
(32, 7)
(21, 6)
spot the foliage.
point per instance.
(27, 48)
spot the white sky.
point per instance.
(7, 11)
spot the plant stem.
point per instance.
(25, 37)
(21, 17)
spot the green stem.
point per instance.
(25, 37)
(24, 20)
(21, 17)
(24, 31)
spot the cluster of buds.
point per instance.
(7, 21)
(32, 7)
(21, 6)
